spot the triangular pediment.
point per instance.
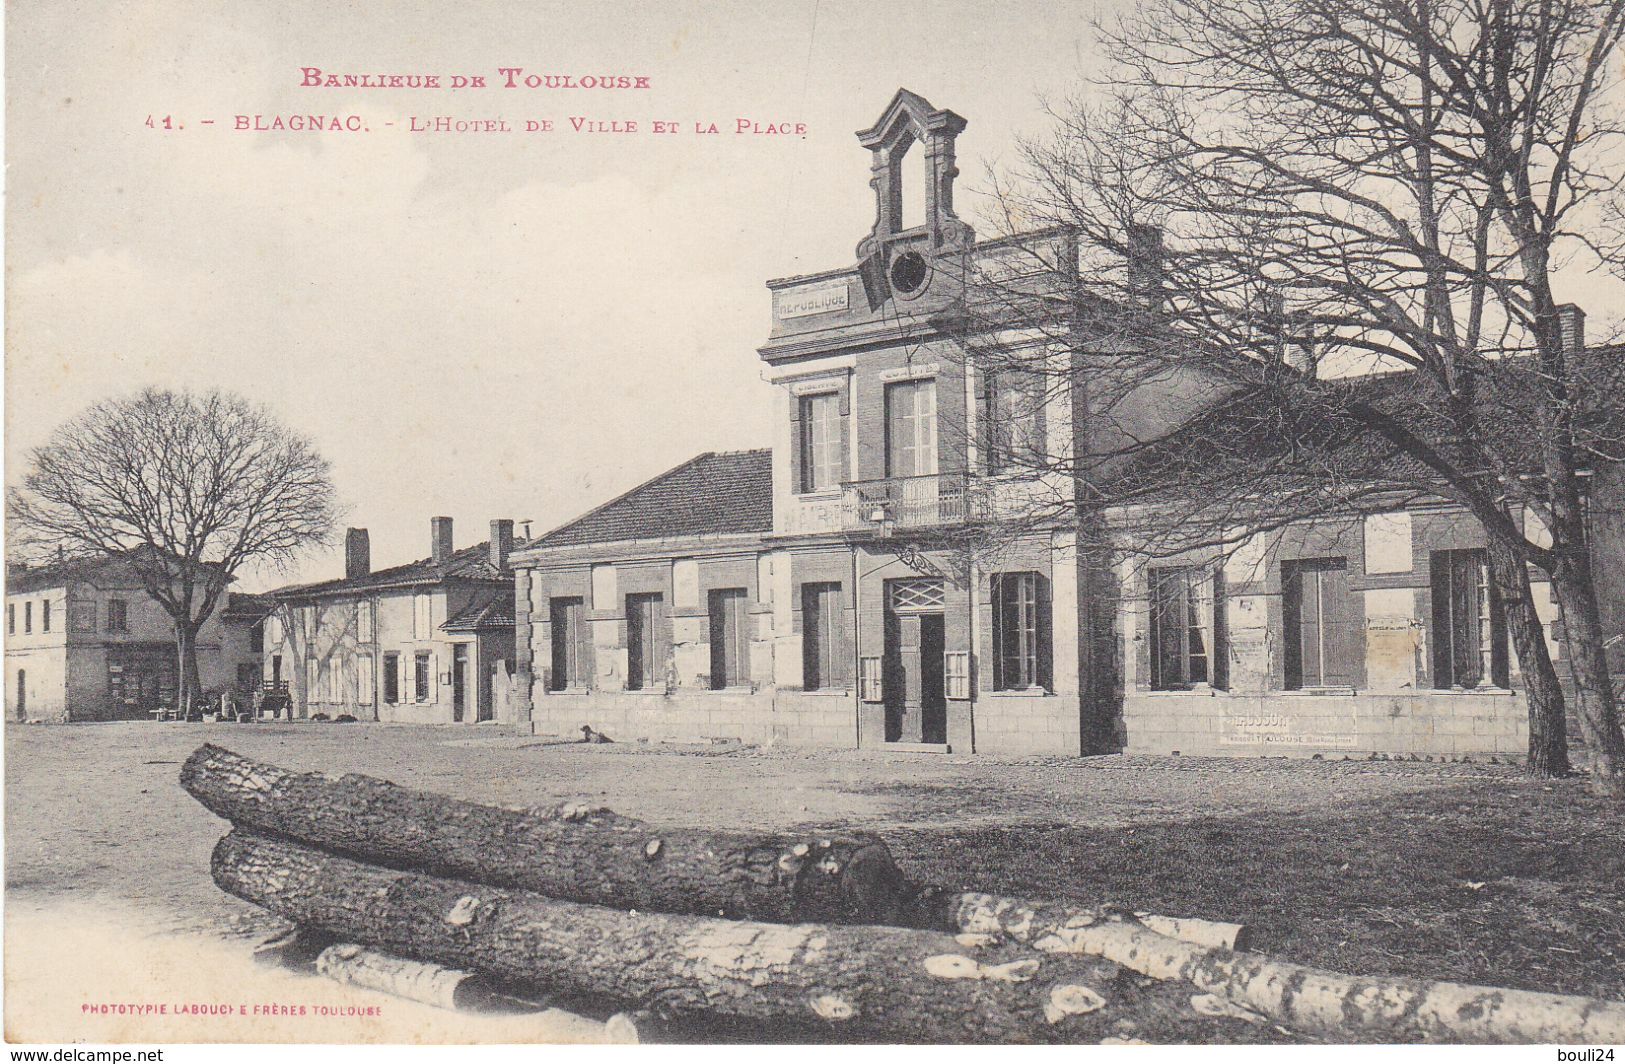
(910, 112)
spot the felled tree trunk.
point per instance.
(1394, 1009)
(900, 984)
(572, 853)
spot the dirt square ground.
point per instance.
(1467, 872)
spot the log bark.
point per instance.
(896, 983)
(590, 855)
(464, 991)
(573, 853)
(1308, 999)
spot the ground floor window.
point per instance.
(363, 680)
(570, 651)
(392, 679)
(730, 641)
(335, 681)
(423, 670)
(1318, 624)
(824, 653)
(1469, 633)
(1184, 627)
(1021, 650)
(646, 641)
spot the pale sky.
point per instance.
(478, 325)
(474, 325)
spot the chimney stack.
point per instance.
(357, 553)
(501, 542)
(440, 540)
(1572, 320)
(1144, 244)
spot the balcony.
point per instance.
(907, 502)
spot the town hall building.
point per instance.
(885, 577)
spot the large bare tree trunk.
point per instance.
(1308, 999)
(892, 983)
(187, 680)
(574, 853)
(1588, 658)
(1548, 727)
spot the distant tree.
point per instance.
(1343, 187)
(185, 488)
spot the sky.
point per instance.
(477, 325)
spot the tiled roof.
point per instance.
(1252, 434)
(490, 611)
(38, 578)
(716, 493)
(470, 563)
(247, 608)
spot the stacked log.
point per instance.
(819, 930)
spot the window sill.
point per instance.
(1458, 692)
(1019, 692)
(1186, 692)
(743, 690)
(1340, 691)
(827, 692)
(821, 495)
(568, 691)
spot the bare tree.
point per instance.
(1311, 192)
(186, 489)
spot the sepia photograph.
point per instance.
(814, 522)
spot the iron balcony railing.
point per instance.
(907, 502)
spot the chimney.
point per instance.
(1572, 320)
(357, 553)
(501, 542)
(1290, 344)
(1144, 246)
(440, 540)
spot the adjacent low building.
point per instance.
(429, 642)
(85, 642)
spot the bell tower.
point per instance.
(897, 257)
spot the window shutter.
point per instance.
(798, 479)
(983, 414)
(1042, 631)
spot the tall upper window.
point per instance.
(45, 615)
(646, 641)
(820, 428)
(1469, 636)
(1021, 640)
(911, 428)
(1184, 622)
(118, 615)
(824, 653)
(1014, 413)
(11, 618)
(571, 651)
(363, 620)
(420, 617)
(1318, 623)
(730, 639)
(28, 617)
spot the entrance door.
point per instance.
(916, 698)
(459, 679)
(933, 695)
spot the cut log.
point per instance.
(1308, 999)
(590, 855)
(451, 988)
(896, 983)
(573, 853)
